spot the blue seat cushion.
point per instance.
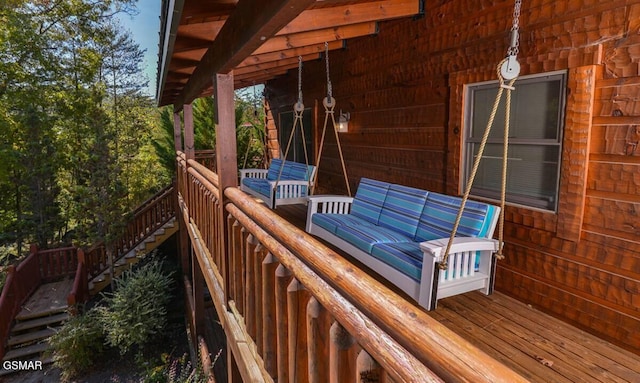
(274, 169)
(406, 257)
(369, 199)
(290, 170)
(402, 209)
(439, 215)
(259, 185)
(296, 171)
(331, 222)
(364, 237)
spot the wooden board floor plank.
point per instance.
(596, 355)
(541, 347)
(506, 353)
(48, 298)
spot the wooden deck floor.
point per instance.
(49, 297)
(537, 346)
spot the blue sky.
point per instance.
(144, 29)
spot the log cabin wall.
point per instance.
(404, 89)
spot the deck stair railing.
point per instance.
(39, 267)
(152, 215)
(42, 266)
(294, 310)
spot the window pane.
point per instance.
(533, 166)
(532, 174)
(535, 110)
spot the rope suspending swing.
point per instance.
(329, 104)
(298, 111)
(507, 70)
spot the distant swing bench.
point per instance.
(401, 233)
(284, 183)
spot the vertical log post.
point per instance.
(249, 291)
(269, 337)
(283, 278)
(177, 132)
(233, 260)
(368, 370)
(341, 368)
(198, 299)
(318, 325)
(260, 254)
(297, 299)
(227, 170)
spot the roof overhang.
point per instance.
(256, 39)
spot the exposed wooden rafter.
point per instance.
(261, 39)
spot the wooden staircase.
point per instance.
(43, 288)
(40, 318)
(133, 256)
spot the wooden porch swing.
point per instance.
(284, 182)
(410, 236)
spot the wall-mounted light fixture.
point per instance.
(343, 122)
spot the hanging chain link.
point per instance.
(514, 49)
(326, 55)
(300, 80)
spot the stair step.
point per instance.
(44, 321)
(21, 352)
(30, 337)
(62, 308)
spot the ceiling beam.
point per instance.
(298, 40)
(322, 18)
(267, 66)
(248, 27)
(289, 53)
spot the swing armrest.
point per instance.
(253, 173)
(436, 248)
(481, 249)
(288, 189)
(327, 204)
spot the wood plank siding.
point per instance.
(404, 89)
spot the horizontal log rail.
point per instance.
(158, 210)
(39, 266)
(298, 311)
(152, 199)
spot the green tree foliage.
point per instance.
(137, 310)
(250, 131)
(78, 345)
(75, 128)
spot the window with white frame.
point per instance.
(535, 140)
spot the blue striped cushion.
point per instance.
(331, 222)
(274, 169)
(260, 185)
(365, 236)
(402, 208)
(406, 257)
(439, 216)
(296, 171)
(369, 199)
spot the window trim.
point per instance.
(467, 142)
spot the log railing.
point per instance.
(43, 266)
(154, 213)
(294, 310)
(80, 291)
(147, 220)
(40, 266)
